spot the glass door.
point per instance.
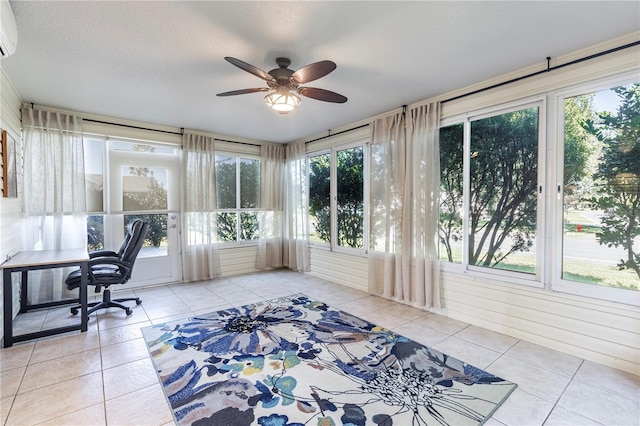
(141, 180)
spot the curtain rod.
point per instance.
(338, 133)
(181, 133)
(243, 143)
(135, 127)
(548, 69)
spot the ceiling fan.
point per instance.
(285, 83)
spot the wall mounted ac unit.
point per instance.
(8, 30)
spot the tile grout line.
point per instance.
(555, 404)
(104, 394)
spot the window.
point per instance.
(503, 189)
(94, 184)
(451, 193)
(320, 198)
(601, 188)
(337, 176)
(144, 188)
(489, 192)
(494, 173)
(94, 174)
(350, 197)
(238, 198)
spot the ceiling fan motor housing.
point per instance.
(282, 76)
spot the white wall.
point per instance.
(348, 270)
(600, 331)
(238, 260)
(10, 239)
(10, 217)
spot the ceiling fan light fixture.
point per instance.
(283, 102)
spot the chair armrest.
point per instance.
(113, 261)
(104, 260)
(102, 253)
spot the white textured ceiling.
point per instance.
(162, 62)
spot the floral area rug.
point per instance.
(296, 361)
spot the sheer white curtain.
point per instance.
(405, 181)
(296, 236)
(271, 205)
(200, 254)
(54, 194)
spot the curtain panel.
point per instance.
(200, 253)
(53, 163)
(271, 207)
(405, 181)
(54, 197)
(296, 233)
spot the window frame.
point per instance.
(333, 245)
(531, 280)
(239, 210)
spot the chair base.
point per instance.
(108, 303)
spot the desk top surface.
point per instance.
(46, 257)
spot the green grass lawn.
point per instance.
(593, 273)
(585, 272)
(575, 217)
(587, 230)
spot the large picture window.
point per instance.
(496, 179)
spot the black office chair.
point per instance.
(107, 268)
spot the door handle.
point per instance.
(173, 226)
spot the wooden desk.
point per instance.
(26, 261)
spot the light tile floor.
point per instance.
(105, 376)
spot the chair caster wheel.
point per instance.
(129, 312)
(74, 311)
(138, 302)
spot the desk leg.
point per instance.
(7, 294)
(24, 299)
(84, 272)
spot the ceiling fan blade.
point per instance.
(249, 68)
(244, 91)
(322, 95)
(312, 72)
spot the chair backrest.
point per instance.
(136, 234)
(127, 237)
(125, 242)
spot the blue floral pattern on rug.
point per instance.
(296, 361)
